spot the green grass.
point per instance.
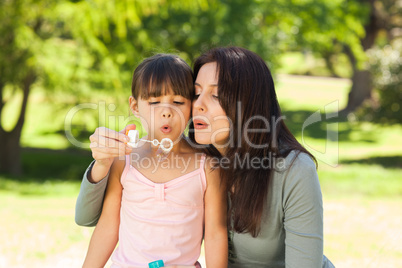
(365, 160)
(359, 174)
(363, 181)
(308, 64)
(31, 187)
(39, 231)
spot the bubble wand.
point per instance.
(165, 145)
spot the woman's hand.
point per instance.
(106, 144)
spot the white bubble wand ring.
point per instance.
(165, 145)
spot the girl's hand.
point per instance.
(106, 144)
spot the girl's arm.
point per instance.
(105, 236)
(215, 237)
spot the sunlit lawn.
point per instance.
(359, 170)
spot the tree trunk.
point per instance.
(329, 64)
(10, 153)
(362, 84)
(360, 91)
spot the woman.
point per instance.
(276, 217)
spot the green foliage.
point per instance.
(322, 27)
(386, 67)
(36, 163)
(85, 51)
(77, 46)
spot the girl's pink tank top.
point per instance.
(160, 221)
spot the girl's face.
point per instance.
(164, 116)
(210, 121)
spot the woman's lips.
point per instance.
(166, 129)
(200, 124)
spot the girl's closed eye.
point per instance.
(154, 100)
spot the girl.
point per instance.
(275, 215)
(154, 208)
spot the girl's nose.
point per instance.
(167, 112)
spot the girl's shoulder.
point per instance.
(118, 165)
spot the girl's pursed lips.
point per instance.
(166, 129)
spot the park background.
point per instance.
(337, 69)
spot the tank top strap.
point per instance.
(202, 171)
(202, 161)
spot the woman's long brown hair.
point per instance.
(247, 95)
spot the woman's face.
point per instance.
(210, 121)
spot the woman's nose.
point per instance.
(198, 104)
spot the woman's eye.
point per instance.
(196, 96)
(216, 97)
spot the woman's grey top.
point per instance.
(292, 226)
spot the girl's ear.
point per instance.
(133, 106)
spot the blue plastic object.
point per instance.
(156, 264)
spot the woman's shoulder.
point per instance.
(295, 160)
(297, 168)
(298, 179)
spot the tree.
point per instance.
(386, 68)
(18, 72)
(362, 83)
(332, 28)
(54, 45)
(384, 18)
(65, 45)
(38, 48)
(217, 23)
(74, 46)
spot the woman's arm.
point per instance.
(303, 215)
(215, 238)
(88, 207)
(106, 234)
(105, 145)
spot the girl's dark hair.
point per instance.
(247, 95)
(159, 74)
